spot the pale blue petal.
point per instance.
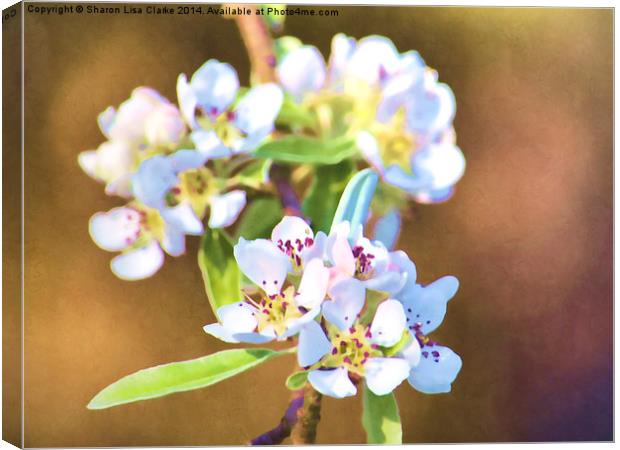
(183, 160)
(333, 382)
(396, 176)
(183, 218)
(442, 164)
(313, 344)
(431, 110)
(387, 228)
(341, 50)
(263, 263)
(220, 332)
(317, 249)
(116, 229)
(226, 208)
(138, 264)
(173, 241)
(396, 92)
(121, 186)
(375, 58)
(313, 286)
(302, 70)
(412, 352)
(256, 112)
(389, 281)
(369, 147)
(427, 305)
(434, 196)
(153, 180)
(239, 317)
(348, 298)
(401, 262)
(187, 101)
(209, 144)
(383, 375)
(256, 338)
(88, 162)
(215, 85)
(105, 120)
(388, 324)
(436, 371)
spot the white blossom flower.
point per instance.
(141, 233)
(221, 126)
(332, 356)
(144, 125)
(281, 310)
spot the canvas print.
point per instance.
(265, 224)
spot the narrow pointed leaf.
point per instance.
(302, 149)
(381, 419)
(355, 200)
(220, 272)
(180, 376)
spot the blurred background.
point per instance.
(528, 233)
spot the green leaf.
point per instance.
(220, 272)
(294, 115)
(302, 149)
(323, 195)
(381, 419)
(259, 218)
(255, 174)
(355, 201)
(180, 376)
(297, 380)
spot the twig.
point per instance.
(305, 430)
(276, 435)
(258, 43)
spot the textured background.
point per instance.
(529, 233)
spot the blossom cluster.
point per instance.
(163, 160)
(391, 102)
(355, 307)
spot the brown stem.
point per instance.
(304, 432)
(258, 43)
(276, 435)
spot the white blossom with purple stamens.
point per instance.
(221, 126)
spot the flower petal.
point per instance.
(400, 262)
(226, 208)
(313, 285)
(116, 229)
(215, 85)
(387, 228)
(209, 144)
(383, 375)
(374, 59)
(187, 101)
(388, 324)
(302, 70)
(183, 160)
(262, 262)
(431, 110)
(442, 164)
(138, 264)
(412, 352)
(105, 120)
(316, 250)
(342, 48)
(183, 218)
(164, 126)
(341, 255)
(333, 382)
(427, 305)
(173, 241)
(294, 326)
(256, 112)
(369, 147)
(88, 162)
(437, 369)
(395, 175)
(153, 180)
(238, 317)
(313, 344)
(347, 301)
(291, 228)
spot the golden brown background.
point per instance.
(529, 233)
